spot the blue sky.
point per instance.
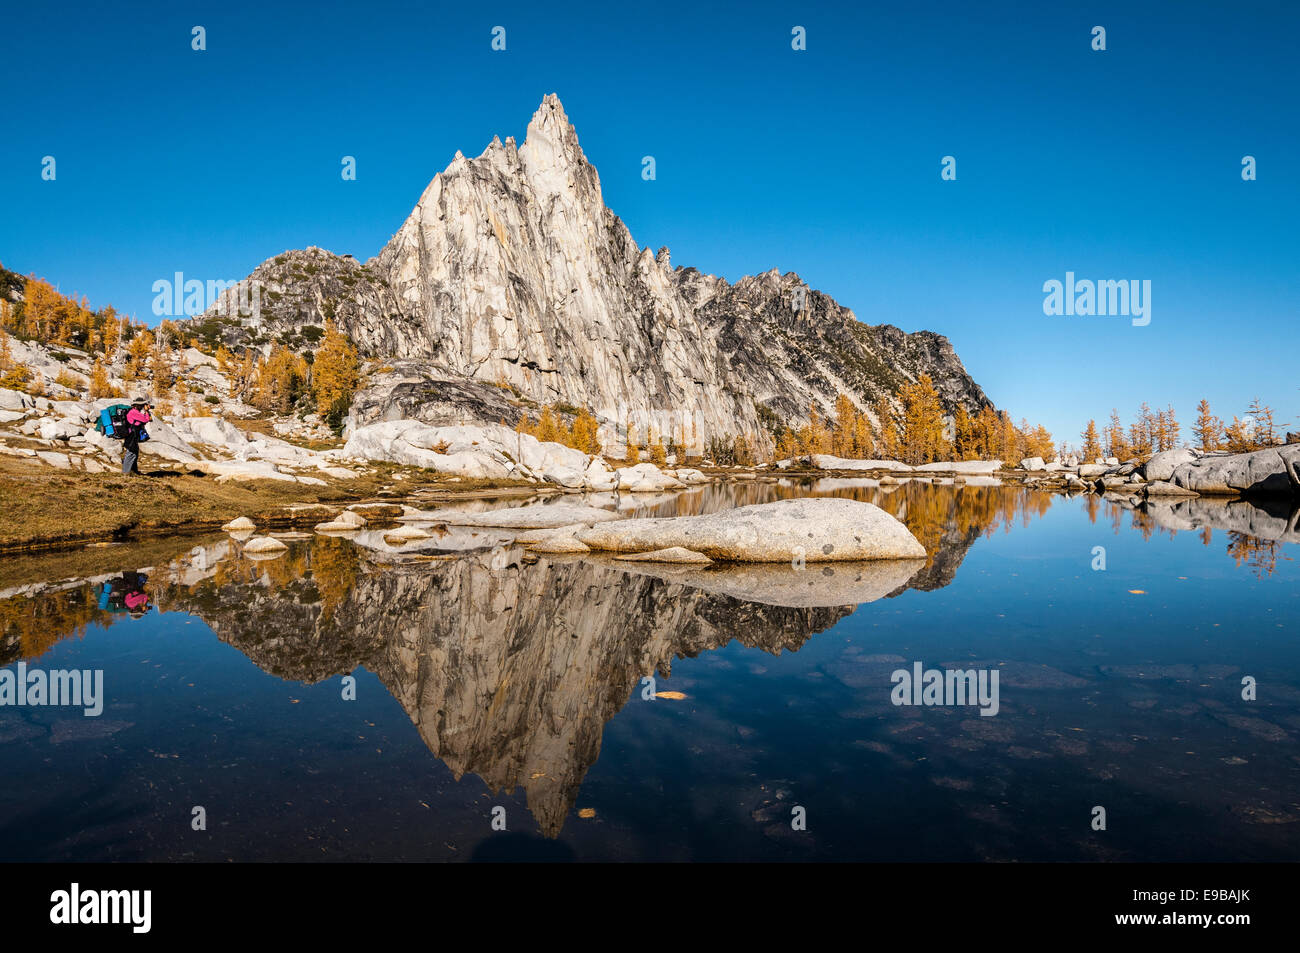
(1117, 164)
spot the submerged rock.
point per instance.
(541, 535)
(264, 544)
(814, 530)
(405, 534)
(559, 543)
(674, 554)
(351, 518)
(537, 516)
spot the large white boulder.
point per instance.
(196, 358)
(811, 529)
(599, 476)
(1271, 472)
(824, 461)
(15, 400)
(567, 477)
(59, 460)
(239, 470)
(278, 451)
(462, 451)
(1161, 466)
(214, 431)
(646, 478)
(58, 428)
(690, 476)
(162, 434)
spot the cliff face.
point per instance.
(511, 274)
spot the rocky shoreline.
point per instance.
(54, 442)
(1273, 472)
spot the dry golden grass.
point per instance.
(44, 507)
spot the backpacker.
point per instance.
(112, 421)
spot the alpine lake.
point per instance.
(460, 698)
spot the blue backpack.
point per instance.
(112, 422)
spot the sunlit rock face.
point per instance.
(797, 530)
(511, 279)
(1274, 472)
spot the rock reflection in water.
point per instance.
(510, 666)
(509, 671)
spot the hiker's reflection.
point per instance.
(125, 594)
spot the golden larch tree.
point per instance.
(335, 372)
(1091, 444)
(1208, 429)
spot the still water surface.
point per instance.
(487, 677)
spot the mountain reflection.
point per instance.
(510, 665)
(509, 669)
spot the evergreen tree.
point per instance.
(1117, 444)
(585, 429)
(335, 372)
(741, 451)
(888, 444)
(1239, 436)
(1091, 445)
(922, 438)
(99, 382)
(547, 429)
(964, 433)
(1264, 429)
(864, 443)
(1209, 428)
(845, 416)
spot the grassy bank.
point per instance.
(45, 508)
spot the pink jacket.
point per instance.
(137, 418)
